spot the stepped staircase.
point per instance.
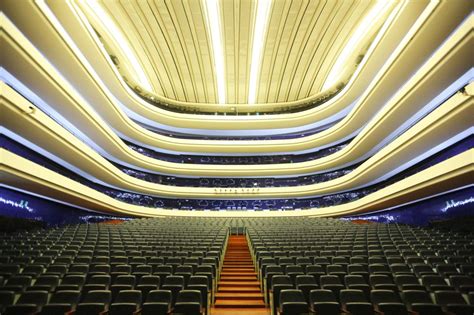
(238, 289)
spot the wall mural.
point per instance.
(451, 205)
(448, 206)
(21, 205)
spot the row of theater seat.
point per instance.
(356, 302)
(147, 266)
(329, 267)
(155, 302)
(322, 266)
(52, 283)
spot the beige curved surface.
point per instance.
(174, 50)
(445, 66)
(445, 19)
(448, 121)
(445, 122)
(23, 174)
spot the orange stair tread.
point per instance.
(238, 287)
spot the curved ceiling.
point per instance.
(174, 47)
(445, 19)
(395, 103)
(445, 66)
(413, 51)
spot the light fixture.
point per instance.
(260, 26)
(214, 28)
(96, 9)
(377, 11)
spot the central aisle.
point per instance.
(238, 289)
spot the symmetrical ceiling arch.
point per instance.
(171, 41)
(390, 106)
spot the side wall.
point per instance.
(21, 205)
(447, 206)
(451, 205)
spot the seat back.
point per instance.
(65, 297)
(38, 298)
(416, 296)
(321, 295)
(159, 296)
(189, 296)
(449, 297)
(384, 296)
(351, 296)
(291, 295)
(98, 296)
(129, 296)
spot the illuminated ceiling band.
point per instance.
(217, 56)
(95, 9)
(260, 26)
(378, 11)
(214, 29)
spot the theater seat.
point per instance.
(189, 302)
(324, 302)
(388, 302)
(292, 302)
(453, 301)
(158, 302)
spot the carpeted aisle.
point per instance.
(238, 290)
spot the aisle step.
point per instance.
(240, 303)
(239, 290)
(238, 283)
(240, 296)
(237, 278)
(239, 269)
(238, 287)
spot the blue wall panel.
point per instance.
(448, 206)
(451, 205)
(20, 205)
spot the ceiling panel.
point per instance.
(302, 43)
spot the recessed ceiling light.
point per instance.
(377, 11)
(102, 16)
(212, 10)
(260, 26)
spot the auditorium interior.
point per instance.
(236, 157)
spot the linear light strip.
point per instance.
(377, 11)
(102, 16)
(154, 125)
(72, 45)
(260, 26)
(9, 79)
(214, 27)
(429, 153)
